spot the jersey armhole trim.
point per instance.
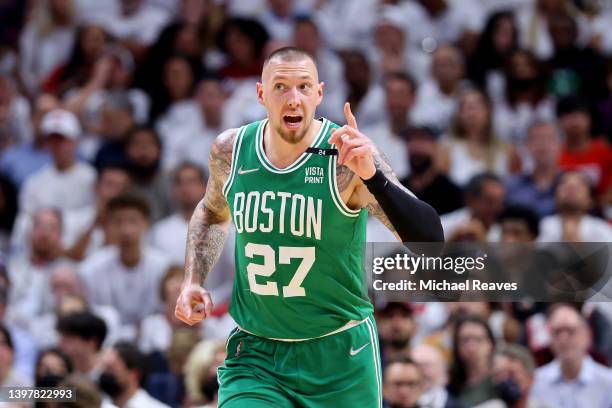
(335, 193)
(234, 162)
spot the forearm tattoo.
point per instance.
(209, 223)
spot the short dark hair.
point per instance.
(84, 325)
(189, 165)
(289, 54)
(474, 186)
(402, 76)
(573, 103)
(131, 357)
(147, 129)
(404, 360)
(130, 201)
(523, 213)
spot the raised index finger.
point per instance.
(350, 118)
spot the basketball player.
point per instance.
(297, 189)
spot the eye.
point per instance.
(279, 87)
(304, 86)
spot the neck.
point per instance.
(447, 88)
(570, 369)
(63, 166)
(121, 400)
(478, 372)
(420, 181)
(85, 365)
(41, 258)
(544, 174)
(399, 123)
(577, 144)
(186, 213)
(130, 256)
(212, 120)
(283, 153)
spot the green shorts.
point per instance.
(339, 370)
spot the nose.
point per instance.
(293, 98)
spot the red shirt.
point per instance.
(595, 161)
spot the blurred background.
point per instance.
(496, 112)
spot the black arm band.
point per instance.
(413, 219)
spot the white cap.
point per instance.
(62, 122)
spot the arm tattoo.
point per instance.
(344, 176)
(210, 220)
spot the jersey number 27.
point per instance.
(285, 254)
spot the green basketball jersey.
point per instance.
(299, 248)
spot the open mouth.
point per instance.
(293, 121)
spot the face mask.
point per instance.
(108, 384)
(523, 84)
(508, 391)
(210, 387)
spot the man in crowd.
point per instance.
(402, 384)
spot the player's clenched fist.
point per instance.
(193, 304)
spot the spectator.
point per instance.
(572, 62)
(243, 41)
(90, 44)
(116, 122)
(143, 151)
(81, 337)
(365, 96)
(573, 378)
(484, 201)
(280, 18)
(402, 384)
(396, 327)
(20, 161)
(534, 25)
(470, 374)
(30, 270)
(173, 106)
(387, 134)
(194, 142)
(88, 396)
(519, 224)
(496, 43)
(123, 373)
(46, 41)
(574, 199)
(8, 376)
(473, 146)
(188, 187)
(88, 228)
(68, 293)
(594, 157)
(68, 183)
(436, 99)
(536, 188)
(513, 369)
(132, 271)
(434, 368)
(524, 98)
(425, 181)
(25, 345)
(52, 364)
(112, 73)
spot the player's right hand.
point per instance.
(193, 305)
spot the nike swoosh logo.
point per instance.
(353, 352)
(240, 171)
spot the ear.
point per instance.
(320, 92)
(260, 96)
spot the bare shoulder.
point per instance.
(220, 159)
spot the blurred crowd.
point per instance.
(496, 112)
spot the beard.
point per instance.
(293, 137)
(419, 163)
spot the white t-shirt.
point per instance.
(142, 399)
(453, 220)
(432, 107)
(591, 229)
(64, 190)
(392, 146)
(463, 166)
(134, 291)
